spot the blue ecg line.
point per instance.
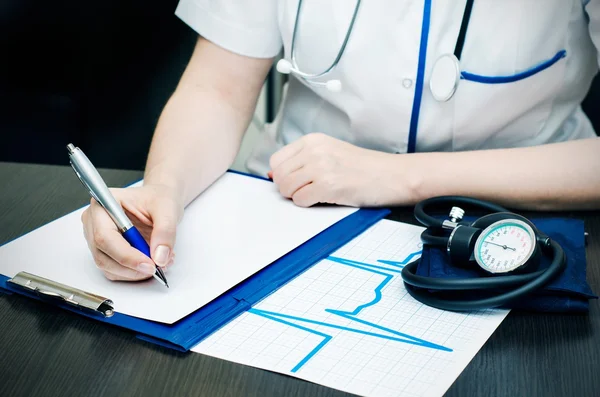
(351, 315)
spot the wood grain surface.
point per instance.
(45, 351)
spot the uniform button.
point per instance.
(407, 83)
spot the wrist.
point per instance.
(432, 174)
(405, 179)
(165, 179)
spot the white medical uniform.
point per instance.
(385, 103)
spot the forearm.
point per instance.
(196, 140)
(200, 130)
(548, 177)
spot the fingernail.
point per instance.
(166, 268)
(146, 268)
(161, 255)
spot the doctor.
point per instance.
(421, 98)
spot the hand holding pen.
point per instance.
(111, 234)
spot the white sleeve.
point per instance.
(592, 9)
(246, 27)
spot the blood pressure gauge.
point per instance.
(505, 249)
(501, 242)
(504, 246)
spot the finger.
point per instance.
(106, 238)
(288, 166)
(165, 216)
(286, 152)
(290, 184)
(116, 277)
(306, 196)
(87, 228)
(113, 277)
(118, 272)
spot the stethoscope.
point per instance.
(445, 74)
(284, 66)
(506, 248)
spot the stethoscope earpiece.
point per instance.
(445, 75)
(288, 67)
(284, 66)
(334, 85)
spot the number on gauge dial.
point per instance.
(504, 246)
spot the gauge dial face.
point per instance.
(504, 246)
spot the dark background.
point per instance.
(96, 74)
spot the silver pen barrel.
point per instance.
(91, 179)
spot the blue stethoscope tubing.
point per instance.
(445, 74)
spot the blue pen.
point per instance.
(93, 182)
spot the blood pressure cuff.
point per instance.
(568, 292)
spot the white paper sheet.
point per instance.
(349, 323)
(235, 228)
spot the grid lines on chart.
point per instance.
(348, 322)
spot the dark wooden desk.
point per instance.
(45, 351)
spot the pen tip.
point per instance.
(160, 276)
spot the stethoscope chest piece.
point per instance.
(445, 76)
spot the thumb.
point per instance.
(164, 219)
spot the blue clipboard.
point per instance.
(195, 327)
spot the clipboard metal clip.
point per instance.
(51, 289)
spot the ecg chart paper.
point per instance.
(348, 323)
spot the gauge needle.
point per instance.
(503, 246)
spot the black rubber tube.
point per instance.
(430, 221)
(427, 238)
(539, 280)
